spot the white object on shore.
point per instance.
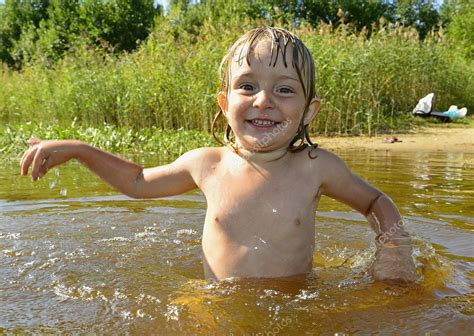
(461, 112)
(424, 104)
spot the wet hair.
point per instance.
(301, 61)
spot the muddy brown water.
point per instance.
(77, 257)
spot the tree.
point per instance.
(46, 29)
(120, 23)
(420, 14)
(358, 13)
(458, 16)
(17, 17)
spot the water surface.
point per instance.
(76, 256)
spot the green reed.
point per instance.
(367, 85)
(164, 143)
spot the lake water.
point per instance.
(76, 256)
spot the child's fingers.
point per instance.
(28, 154)
(39, 168)
(22, 161)
(25, 155)
(26, 160)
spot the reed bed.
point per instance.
(165, 144)
(367, 85)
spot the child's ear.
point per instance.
(313, 110)
(222, 101)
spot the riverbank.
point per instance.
(172, 143)
(449, 139)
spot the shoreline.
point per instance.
(443, 138)
(429, 139)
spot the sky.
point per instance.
(164, 3)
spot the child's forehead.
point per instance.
(265, 55)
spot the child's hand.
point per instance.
(394, 262)
(44, 155)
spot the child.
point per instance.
(264, 185)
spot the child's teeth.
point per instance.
(263, 122)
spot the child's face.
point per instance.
(264, 104)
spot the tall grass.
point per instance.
(366, 85)
(164, 143)
(371, 85)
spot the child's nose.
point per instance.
(263, 100)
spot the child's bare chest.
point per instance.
(259, 222)
(252, 201)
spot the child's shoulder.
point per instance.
(203, 153)
(201, 158)
(199, 162)
(321, 161)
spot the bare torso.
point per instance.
(261, 216)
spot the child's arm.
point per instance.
(393, 260)
(125, 176)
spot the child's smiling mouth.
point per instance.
(262, 123)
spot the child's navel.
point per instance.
(297, 222)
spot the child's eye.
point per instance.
(285, 90)
(246, 87)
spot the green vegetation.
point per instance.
(459, 17)
(164, 143)
(44, 30)
(63, 72)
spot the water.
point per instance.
(75, 256)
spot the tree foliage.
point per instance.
(458, 15)
(44, 30)
(420, 14)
